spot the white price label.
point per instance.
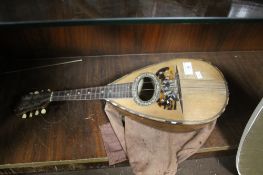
(198, 75)
(188, 70)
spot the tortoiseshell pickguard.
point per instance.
(169, 88)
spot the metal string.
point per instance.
(125, 89)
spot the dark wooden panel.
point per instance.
(65, 140)
(128, 39)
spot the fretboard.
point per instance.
(101, 92)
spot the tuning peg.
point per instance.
(24, 116)
(43, 111)
(30, 114)
(48, 90)
(36, 112)
(36, 92)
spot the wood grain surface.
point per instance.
(203, 100)
(68, 137)
(65, 41)
(48, 10)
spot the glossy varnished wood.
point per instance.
(17, 11)
(203, 98)
(64, 41)
(68, 137)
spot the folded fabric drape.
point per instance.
(151, 147)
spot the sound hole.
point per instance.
(145, 89)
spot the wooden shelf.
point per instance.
(65, 139)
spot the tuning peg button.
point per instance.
(43, 111)
(24, 116)
(36, 92)
(36, 112)
(30, 114)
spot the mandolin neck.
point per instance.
(93, 93)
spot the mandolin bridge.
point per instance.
(170, 91)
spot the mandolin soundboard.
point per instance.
(179, 91)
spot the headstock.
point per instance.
(33, 104)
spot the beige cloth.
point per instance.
(112, 145)
(154, 148)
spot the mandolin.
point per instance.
(185, 91)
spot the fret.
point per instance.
(127, 91)
(54, 95)
(109, 91)
(62, 95)
(116, 91)
(88, 97)
(67, 95)
(85, 93)
(112, 91)
(75, 93)
(121, 90)
(111, 88)
(82, 94)
(92, 93)
(130, 90)
(104, 92)
(99, 93)
(78, 94)
(95, 92)
(71, 94)
(83, 97)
